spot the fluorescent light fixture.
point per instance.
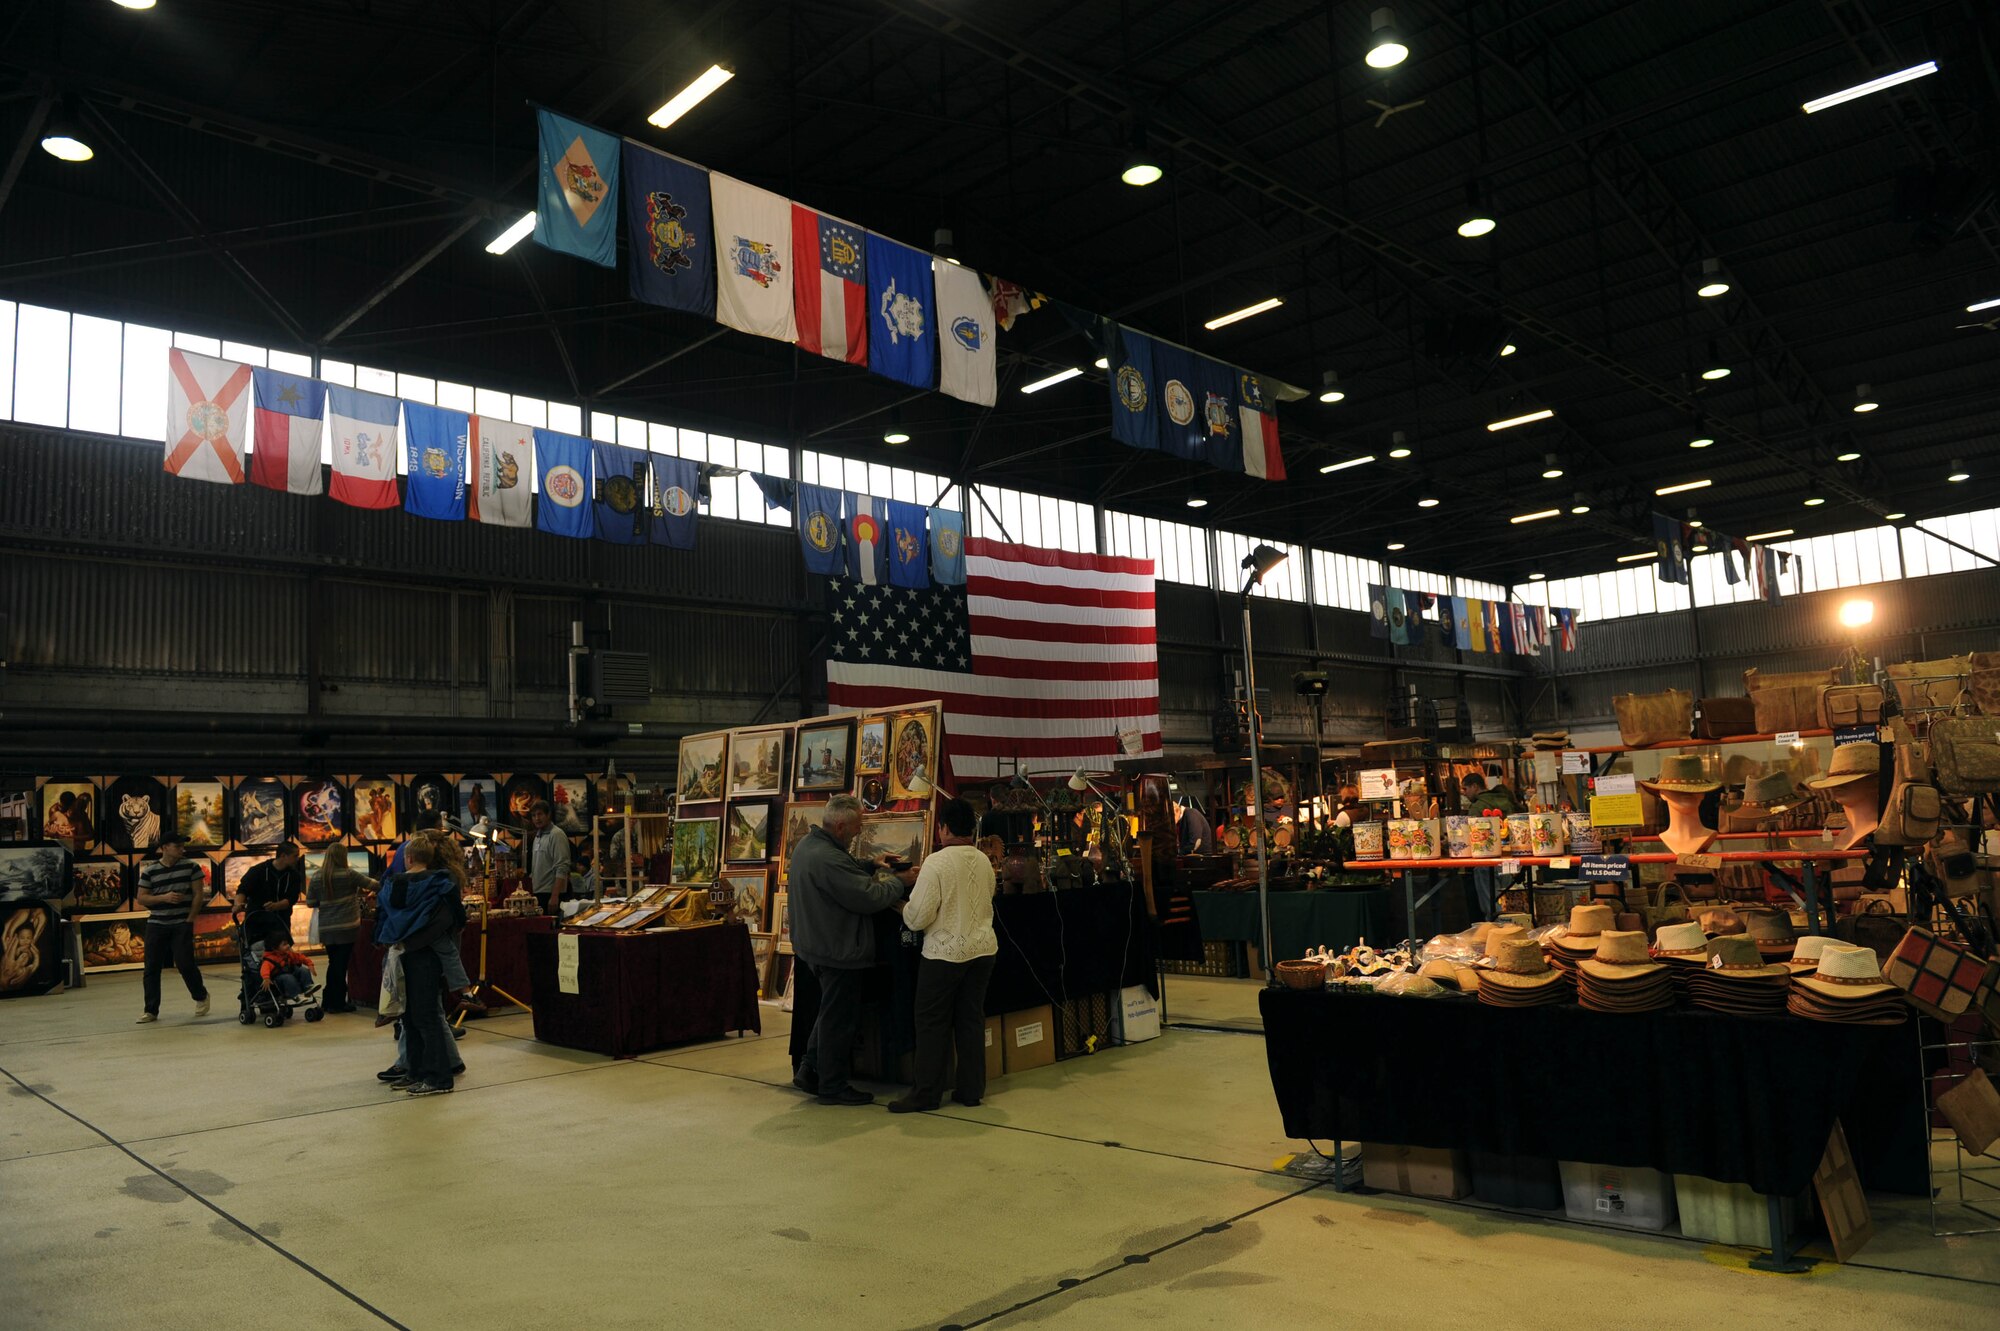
(1901, 76)
(1638, 559)
(1385, 43)
(1197, 503)
(1814, 502)
(1394, 545)
(1235, 316)
(1101, 363)
(1894, 517)
(512, 236)
(1332, 467)
(1060, 376)
(1544, 414)
(1536, 517)
(1769, 535)
(135, 4)
(691, 96)
(1428, 502)
(1982, 305)
(1703, 442)
(1509, 349)
(1684, 487)
(1848, 457)
(1536, 577)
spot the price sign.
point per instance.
(1616, 811)
(1510, 866)
(1378, 783)
(1604, 867)
(1559, 862)
(1708, 862)
(1844, 735)
(1623, 784)
(1575, 763)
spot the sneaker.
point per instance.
(469, 1002)
(402, 1083)
(145, 1017)
(430, 1088)
(910, 1104)
(201, 1008)
(395, 1073)
(850, 1096)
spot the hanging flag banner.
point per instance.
(287, 428)
(1670, 539)
(1378, 610)
(967, 355)
(208, 405)
(1475, 615)
(1182, 431)
(902, 313)
(817, 512)
(619, 488)
(577, 209)
(1215, 414)
(1461, 624)
(562, 465)
(867, 539)
(907, 565)
(363, 428)
(830, 287)
(947, 547)
(1565, 628)
(503, 463)
(1135, 397)
(753, 259)
(1399, 616)
(668, 231)
(676, 490)
(434, 441)
(1259, 417)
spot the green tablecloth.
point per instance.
(1300, 921)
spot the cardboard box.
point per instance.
(1420, 1171)
(1136, 1016)
(994, 1066)
(1028, 1039)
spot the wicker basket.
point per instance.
(1302, 974)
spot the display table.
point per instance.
(645, 991)
(1335, 918)
(506, 958)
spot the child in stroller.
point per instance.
(277, 981)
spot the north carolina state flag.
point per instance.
(288, 432)
(1260, 430)
(208, 406)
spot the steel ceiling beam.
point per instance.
(31, 134)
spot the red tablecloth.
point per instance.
(506, 958)
(646, 991)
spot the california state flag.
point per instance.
(208, 408)
(503, 461)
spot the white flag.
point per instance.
(503, 460)
(965, 344)
(363, 427)
(208, 410)
(753, 259)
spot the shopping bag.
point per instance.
(312, 930)
(390, 1005)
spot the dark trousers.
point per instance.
(175, 941)
(951, 1018)
(337, 955)
(430, 1052)
(830, 1051)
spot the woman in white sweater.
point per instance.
(952, 904)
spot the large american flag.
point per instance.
(1044, 659)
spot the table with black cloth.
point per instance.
(506, 957)
(1736, 1099)
(1335, 918)
(645, 991)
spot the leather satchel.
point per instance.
(1912, 815)
(1876, 928)
(1850, 705)
(1985, 682)
(1940, 978)
(1719, 718)
(1965, 750)
(1930, 684)
(1788, 700)
(1654, 718)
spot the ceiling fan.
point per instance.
(1991, 325)
(1388, 110)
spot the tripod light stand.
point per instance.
(1258, 562)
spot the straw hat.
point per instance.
(1685, 775)
(1681, 942)
(1585, 924)
(1772, 932)
(1499, 934)
(1851, 762)
(1622, 955)
(1848, 973)
(1806, 952)
(1519, 964)
(1740, 959)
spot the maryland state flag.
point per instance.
(577, 209)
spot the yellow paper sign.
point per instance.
(1616, 811)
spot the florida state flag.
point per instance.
(208, 408)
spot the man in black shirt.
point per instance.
(269, 890)
(171, 889)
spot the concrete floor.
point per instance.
(208, 1174)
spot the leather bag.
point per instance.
(1912, 816)
(1850, 705)
(1876, 928)
(1654, 718)
(1939, 977)
(1985, 682)
(1921, 684)
(1788, 700)
(1965, 750)
(1719, 718)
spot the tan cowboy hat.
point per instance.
(1585, 924)
(1685, 775)
(1681, 942)
(1851, 762)
(1772, 790)
(1850, 974)
(1740, 959)
(1501, 933)
(1622, 956)
(1519, 964)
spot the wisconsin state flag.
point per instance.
(208, 404)
(288, 430)
(363, 426)
(435, 437)
(830, 286)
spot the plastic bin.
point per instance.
(1525, 1182)
(1633, 1198)
(1731, 1213)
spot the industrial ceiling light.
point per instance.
(1494, 427)
(1849, 456)
(943, 246)
(1428, 502)
(1536, 517)
(1894, 517)
(1982, 305)
(512, 236)
(1509, 349)
(1770, 535)
(1552, 467)
(1385, 43)
(1638, 559)
(62, 138)
(1102, 363)
(1702, 442)
(1716, 369)
(1579, 503)
(1142, 167)
(1537, 577)
(1197, 501)
(894, 433)
(1332, 467)
(1814, 501)
(135, 4)
(1060, 376)
(1401, 449)
(1477, 220)
(1901, 76)
(1684, 487)
(691, 96)
(1394, 545)
(1864, 398)
(1329, 387)
(1958, 472)
(1237, 316)
(1713, 282)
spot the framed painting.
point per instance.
(69, 813)
(825, 761)
(115, 942)
(198, 812)
(31, 943)
(260, 811)
(16, 804)
(800, 818)
(750, 897)
(871, 748)
(375, 809)
(904, 837)
(321, 811)
(701, 768)
(214, 936)
(757, 762)
(746, 837)
(518, 797)
(608, 793)
(138, 810)
(431, 797)
(42, 872)
(359, 858)
(569, 799)
(763, 947)
(233, 870)
(478, 797)
(913, 755)
(697, 849)
(781, 921)
(99, 885)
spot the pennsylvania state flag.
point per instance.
(620, 491)
(434, 440)
(902, 313)
(908, 566)
(562, 468)
(676, 487)
(669, 237)
(947, 547)
(817, 512)
(576, 210)
(1135, 391)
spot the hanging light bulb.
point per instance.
(1401, 449)
(1864, 398)
(1477, 219)
(1713, 281)
(1716, 369)
(1142, 168)
(1329, 387)
(1385, 44)
(1552, 467)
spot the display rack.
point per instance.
(646, 835)
(1970, 1184)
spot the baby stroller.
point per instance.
(253, 1000)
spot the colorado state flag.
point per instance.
(867, 539)
(902, 313)
(577, 209)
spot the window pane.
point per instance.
(375, 381)
(777, 461)
(244, 352)
(493, 404)
(563, 418)
(662, 439)
(41, 372)
(694, 444)
(631, 432)
(459, 397)
(96, 352)
(290, 362)
(534, 413)
(333, 371)
(722, 497)
(207, 346)
(604, 427)
(143, 392)
(7, 360)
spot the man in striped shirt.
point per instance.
(172, 890)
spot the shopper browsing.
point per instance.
(417, 909)
(953, 906)
(335, 891)
(171, 890)
(548, 858)
(265, 897)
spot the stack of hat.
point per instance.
(1741, 980)
(1683, 950)
(1848, 987)
(1451, 975)
(1772, 932)
(1570, 945)
(1622, 976)
(1806, 953)
(1522, 977)
(1489, 946)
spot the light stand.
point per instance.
(1259, 562)
(481, 833)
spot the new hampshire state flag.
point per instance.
(434, 440)
(1135, 392)
(902, 313)
(576, 210)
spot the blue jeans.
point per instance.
(455, 978)
(428, 1049)
(292, 981)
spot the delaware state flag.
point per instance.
(902, 313)
(829, 286)
(577, 209)
(908, 566)
(867, 539)
(208, 404)
(287, 428)
(562, 463)
(669, 238)
(434, 441)
(503, 470)
(363, 426)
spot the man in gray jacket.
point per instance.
(832, 896)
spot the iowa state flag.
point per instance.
(208, 404)
(503, 470)
(830, 286)
(676, 485)
(947, 547)
(669, 235)
(967, 356)
(1258, 415)
(817, 513)
(577, 208)
(902, 313)
(621, 509)
(287, 429)
(434, 439)
(363, 427)
(1135, 392)
(562, 464)
(753, 259)
(908, 566)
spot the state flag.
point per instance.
(503, 465)
(1670, 539)
(1216, 418)
(1461, 624)
(902, 313)
(434, 440)
(1475, 618)
(363, 427)
(1378, 610)
(619, 488)
(867, 539)
(1135, 394)
(676, 487)
(830, 286)
(576, 210)
(817, 513)
(1517, 615)
(947, 547)
(1538, 626)
(208, 406)
(753, 259)
(1491, 611)
(908, 566)
(1182, 432)
(1399, 616)
(562, 463)
(967, 354)
(1258, 415)
(287, 428)
(669, 232)
(1566, 627)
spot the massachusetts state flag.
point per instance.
(1135, 392)
(908, 566)
(503, 469)
(676, 487)
(668, 233)
(967, 356)
(622, 512)
(902, 313)
(867, 539)
(363, 426)
(288, 431)
(947, 547)
(208, 404)
(817, 512)
(829, 286)
(1258, 415)
(753, 258)
(577, 209)
(435, 440)
(562, 462)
